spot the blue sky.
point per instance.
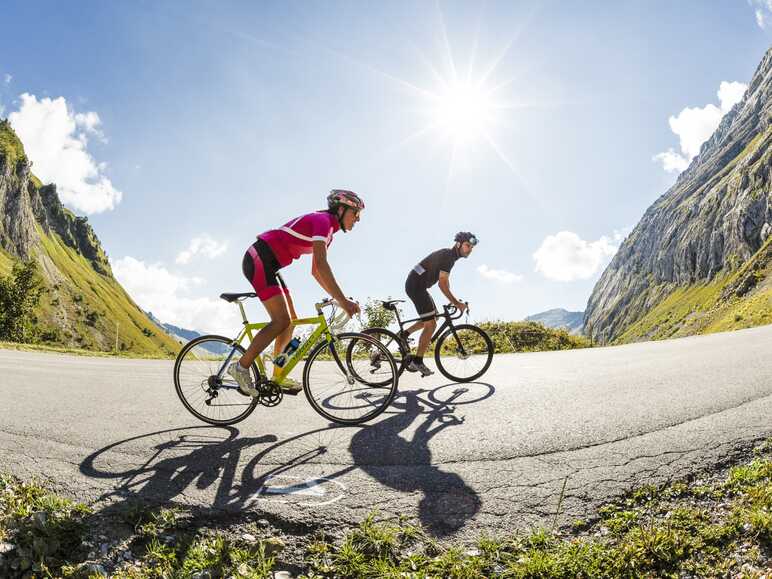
(193, 126)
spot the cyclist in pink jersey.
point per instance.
(308, 234)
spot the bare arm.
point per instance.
(319, 278)
(444, 284)
(321, 271)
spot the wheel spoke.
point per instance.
(464, 353)
(349, 396)
(195, 377)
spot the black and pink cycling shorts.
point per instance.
(261, 268)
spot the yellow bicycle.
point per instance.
(334, 364)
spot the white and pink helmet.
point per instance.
(346, 198)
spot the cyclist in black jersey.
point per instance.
(433, 268)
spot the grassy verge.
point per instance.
(80, 352)
(531, 337)
(716, 526)
(735, 301)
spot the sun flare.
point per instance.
(463, 111)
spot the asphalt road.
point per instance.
(601, 421)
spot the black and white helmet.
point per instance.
(463, 236)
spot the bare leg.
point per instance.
(414, 327)
(280, 322)
(284, 338)
(426, 337)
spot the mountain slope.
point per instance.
(559, 318)
(83, 306)
(697, 235)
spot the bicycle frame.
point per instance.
(249, 330)
(446, 323)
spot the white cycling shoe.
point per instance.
(243, 378)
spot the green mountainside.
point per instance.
(83, 305)
(729, 302)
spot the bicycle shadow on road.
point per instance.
(197, 456)
(395, 452)
(161, 467)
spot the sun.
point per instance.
(463, 111)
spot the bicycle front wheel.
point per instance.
(333, 383)
(463, 353)
(215, 400)
(376, 373)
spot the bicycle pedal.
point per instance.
(291, 392)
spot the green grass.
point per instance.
(80, 312)
(78, 352)
(711, 307)
(714, 528)
(11, 148)
(531, 337)
(671, 531)
(93, 303)
(45, 529)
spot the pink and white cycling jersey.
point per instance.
(296, 237)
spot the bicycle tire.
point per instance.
(228, 343)
(438, 349)
(385, 392)
(387, 338)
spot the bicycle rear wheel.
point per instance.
(207, 397)
(463, 353)
(377, 373)
(333, 383)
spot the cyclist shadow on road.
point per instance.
(174, 462)
(404, 463)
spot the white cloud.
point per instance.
(567, 257)
(55, 139)
(672, 162)
(7, 78)
(204, 245)
(694, 125)
(166, 295)
(90, 122)
(500, 275)
(763, 10)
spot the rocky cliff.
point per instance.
(83, 305)
(715, 218)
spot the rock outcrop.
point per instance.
(83, 305)
(716, 216)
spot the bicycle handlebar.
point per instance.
(336, 321)
(452, 310)
(325, 303)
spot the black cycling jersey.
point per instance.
(427, 272)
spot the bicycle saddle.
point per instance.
(234, 297)
(389, 305)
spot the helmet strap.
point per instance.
(340, 215)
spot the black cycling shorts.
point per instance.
(419, 295)
(261, 268)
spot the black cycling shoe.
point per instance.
(408, 362)
(416, 366)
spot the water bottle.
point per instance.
(289, 349)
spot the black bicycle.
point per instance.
(462, 352)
